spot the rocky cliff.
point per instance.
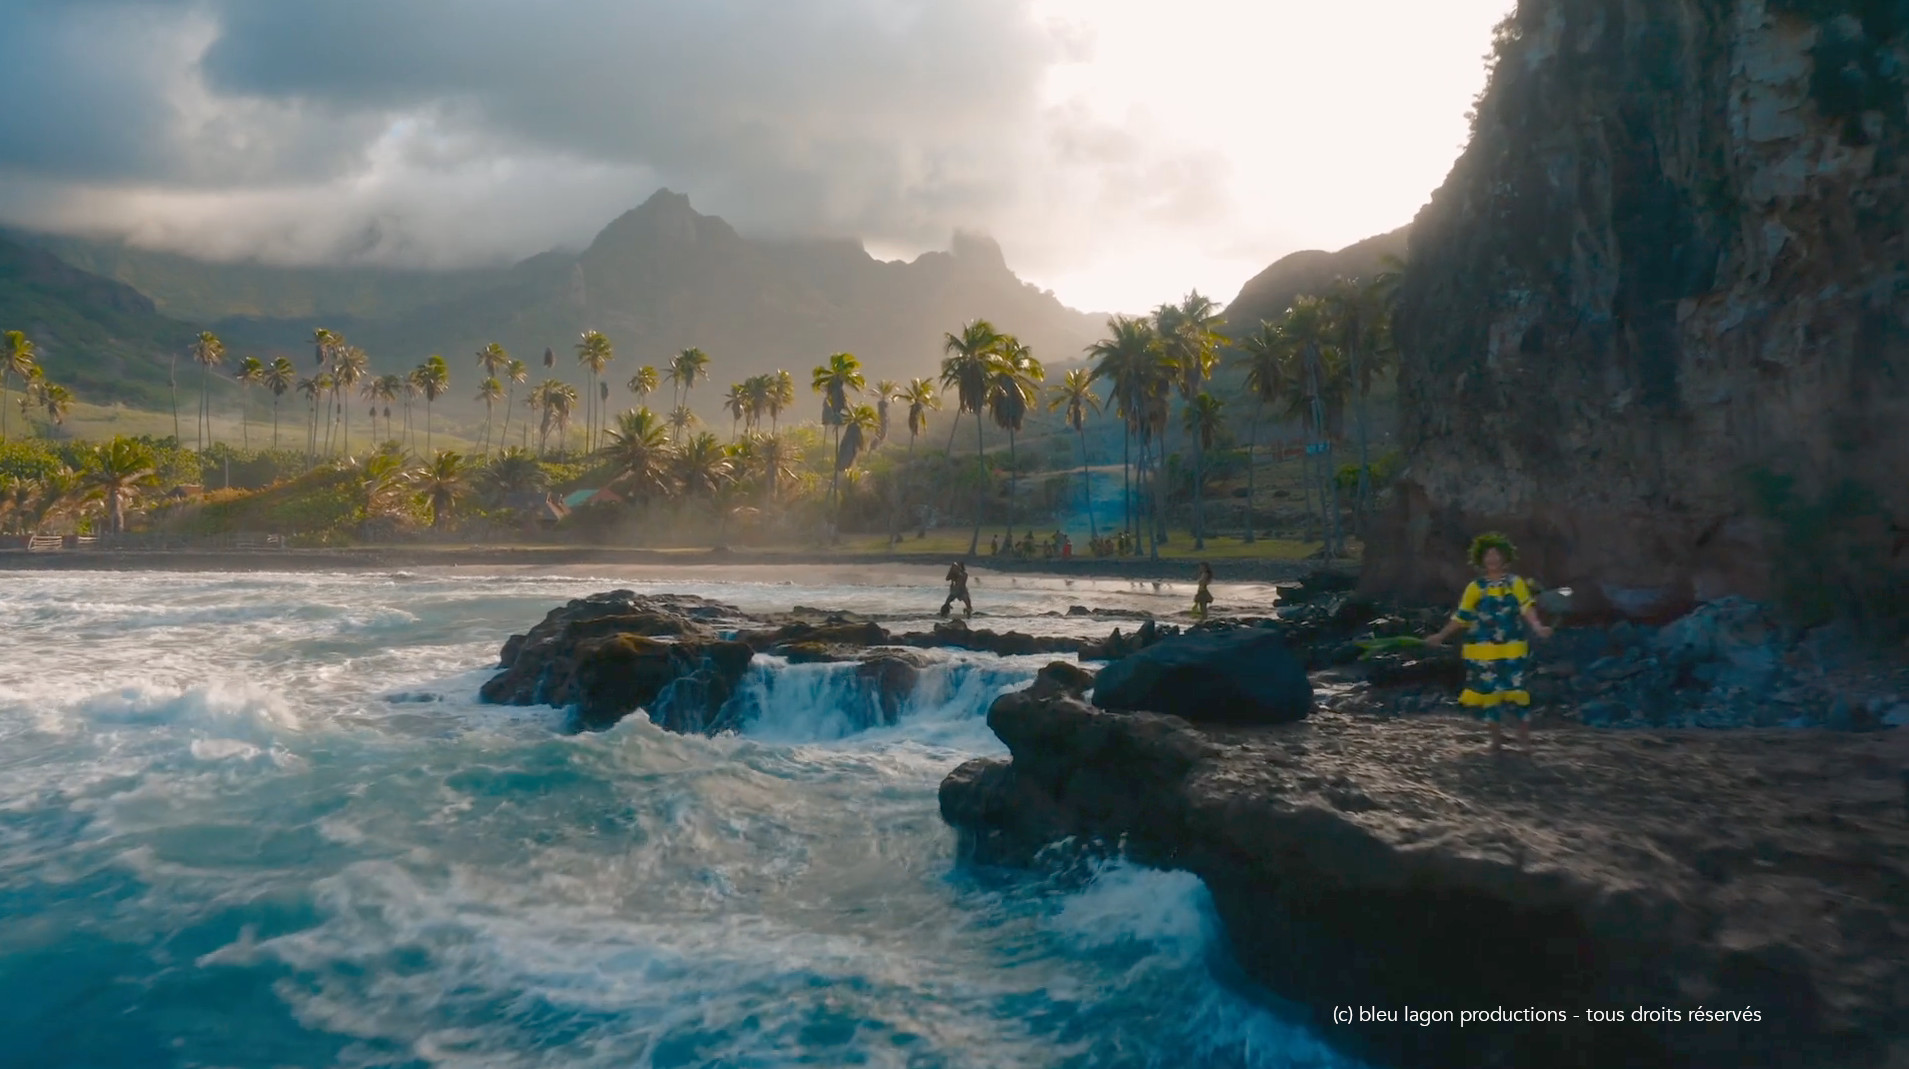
(1654, 323)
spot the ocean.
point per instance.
(256, 819)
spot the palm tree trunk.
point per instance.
(900, 497)
(1126, 477)
(1252, 439)
(345, 410)
(503, 436)
(1365, 465)
(245, 425)
(427, 425)
(274, 423)
(172, 384)
(948, 451)
(980, 486)
(1087, 486)
(4, 377)
(1013, 482)
(1199, 487)
(205, 413)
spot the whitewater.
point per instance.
(262, 820)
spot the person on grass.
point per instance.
(1498, 610)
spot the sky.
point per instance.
(1121, 151)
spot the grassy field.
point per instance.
(951, 542)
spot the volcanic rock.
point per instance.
(1243, 676)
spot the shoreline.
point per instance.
(384, 558)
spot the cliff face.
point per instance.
(1669, 268)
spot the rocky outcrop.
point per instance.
(1242, 676)
(1654, 324)
(1364, 863)
(610, 654)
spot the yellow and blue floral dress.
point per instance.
(1493, 612)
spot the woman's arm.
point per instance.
(1537, 625)
(1452, 627)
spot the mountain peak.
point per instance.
(666, 218)
(976, 249)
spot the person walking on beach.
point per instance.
(1203, 597)
(1498, 610)
(958, 589)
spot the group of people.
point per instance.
(1057, 546)
(1497, 611)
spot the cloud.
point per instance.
(434, 131)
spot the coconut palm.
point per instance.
(922, 399)
(681, 419)
(1013, 385)
(856, 426)
(736, 403)
(1074, 396)
(372, 391)
(638, 453)
(702, 467)
(1309, 330)
(1189, 332)
(18, 361)
(514, 471)
(433, 379)
(442, 482)
(594, 352)
(491, 359)
(515, 372)
(115, 472)
(643, 383)
(966, 369)
(384, 483)
(279, 377)
(835, 380)
(209, 352)
(781, 396)
(885, 391)
(1124, 358)
(490, 391)
(557, 401)
(31, 395)
(251, 373)
(1203, 420)
(1269, 360)
(350, 368)
(1362, 313)
(313, 388)
(58, 401)
(684, 369)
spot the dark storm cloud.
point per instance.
(892, 118)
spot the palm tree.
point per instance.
(116, 471)
(1308, 328)
(1202, 420)
(1075, 393)
(58, 401)
(639, 454)
(557, 400)
(279, 377)
(491, 359)
(433, 378)
(209, 351)
(19, 359)
(781, 397)
(1362, 312)
(1012, 387)
(885, 391)
(702, 467)
(514, 471)
(442, 482)
(1189, 331)
(595, 353)
(1123, 358)
(251, 373)
(371, 391)
(684, 369)
(326, 347)
(393, 388)
(736, 403)
(966, 369)
(681, 419)
(1268, 379)
(835, 380)
(643, 383)
(514, 372)
(313, 388)
(490, 391)
(855, 426)
(351, 366)
(384, 482)
(922, 399)
(756, 390)
(32, 395)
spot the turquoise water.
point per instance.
(260, 820)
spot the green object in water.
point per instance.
(1372, 647)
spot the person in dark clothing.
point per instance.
(1203, 597)
(958, 589)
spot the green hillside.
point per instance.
(100, 338)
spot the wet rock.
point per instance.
(1062, 677)
(853, 634)
(1116, 645)
(957, 634)
(537, 668)
(1240, 677)
(616, 675)
(1357, 861)
(891, 676)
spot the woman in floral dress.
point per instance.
(1497, 609)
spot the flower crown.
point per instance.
(1492, 540)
